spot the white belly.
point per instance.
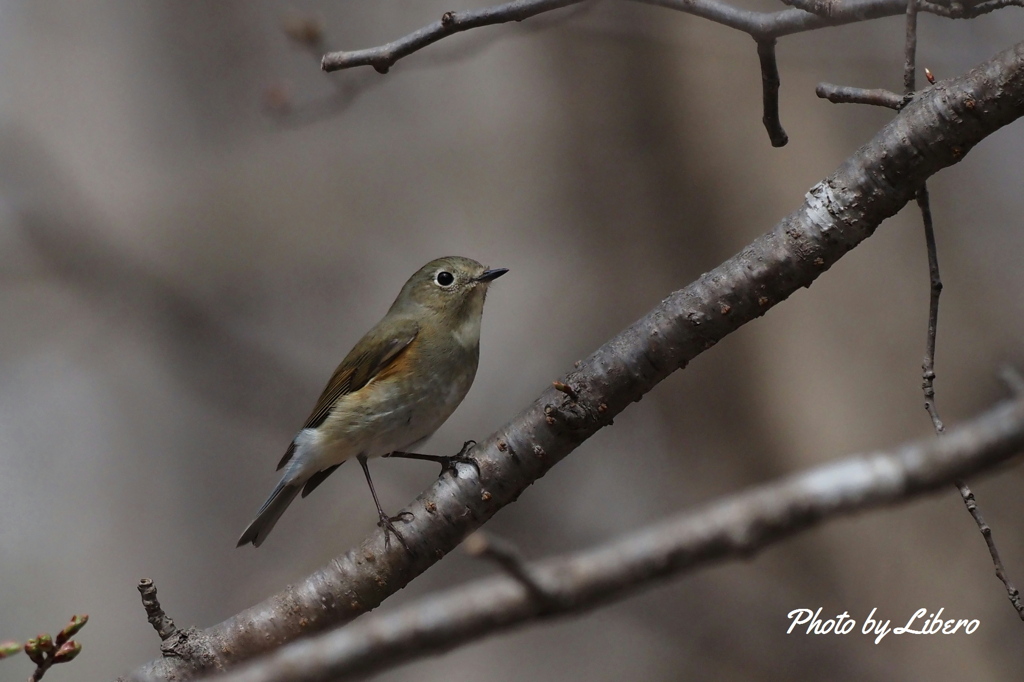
(379, 418)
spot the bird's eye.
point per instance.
(445, 278)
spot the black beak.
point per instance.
(491, 274)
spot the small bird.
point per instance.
(393, 390)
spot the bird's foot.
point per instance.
(448, 463)
(388, 524)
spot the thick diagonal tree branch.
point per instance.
(933, 132)
(733, 528)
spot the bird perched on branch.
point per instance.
(393, 390)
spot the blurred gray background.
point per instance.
(181, 272)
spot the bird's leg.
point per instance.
(386, 522)
(447, 463)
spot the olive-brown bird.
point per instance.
(393, 390)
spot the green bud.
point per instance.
(33, 651)
(72, 628)
(46, 643)
(9, 649)
(67, 652)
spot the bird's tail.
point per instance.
(269, 513)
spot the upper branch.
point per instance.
(735, 527)
(934, 131)
(966, 10)
(805, 15)
(766, 25)
(383, 57)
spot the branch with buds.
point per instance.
(45, 651)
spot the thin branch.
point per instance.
(770, 92)
(294, 113)
(734, 528)
(839, 94)
(910, 50)
(966, 10)
(759, 25)
(384, 57)
(764, 27)
(928, 366)
(46, 651)
(933, 132)
(986, 532)
(842, 94)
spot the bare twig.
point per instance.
(928, 366)
(770, 92)
(764, 27)
(986, 532)
(841, 94)
(935, 288)
(383, 58)
(736, 527)
(910, 50)
(934, 131)
(160, 621)
(759, 25)
(290, 112)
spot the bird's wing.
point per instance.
(374, 353)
